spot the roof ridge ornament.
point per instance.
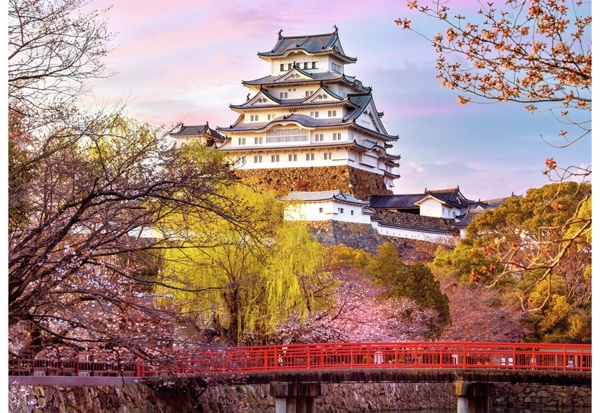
(279, 33)
(336, 29)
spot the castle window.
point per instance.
(306, 65)
(282, 135)
(253, 118)
(292, 157)
(258, 141)
(320, 210)
(314, 65)
(341, 210)
(308, 93)
(352, 212)
(310, 156)
(274, 158)
(327, 156)
(241, 141)
(258, 159)
(319, 137)
(337, 136)
(314, 114)
(331, 113)
(289, 66)
(336, 68)
(283, 95)
(282, 67)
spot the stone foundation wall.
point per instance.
(544, 398)
(359, 183)
(363, 236)
(336, 397)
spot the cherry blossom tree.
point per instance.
(533, 52)
(85, 192)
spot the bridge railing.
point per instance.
(413, 355)
(331, 356)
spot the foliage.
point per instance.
(415, 282)
(533, 52)
(77, 268)
(243, 280)
(535, 243)
(479, 313)
(85, 193)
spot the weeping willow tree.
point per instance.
(241, 279)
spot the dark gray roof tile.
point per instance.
(312, 44)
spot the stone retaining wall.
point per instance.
(336, 397)
(361, 184)
(363, 236)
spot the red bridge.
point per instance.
(327, 356)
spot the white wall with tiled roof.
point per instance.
(413, 233)
(435, 208)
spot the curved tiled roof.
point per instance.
(197, 130)
(318, 77)
(406, 201)
(308, 196)
(359, 101)
(328, 43)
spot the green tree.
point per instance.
(243, 280)
(415, 281)
(531, 245)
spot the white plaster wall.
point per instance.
(431, 208)
(330, 211)
(308, 211)
(412, 234)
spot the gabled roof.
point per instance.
(468, 217)
(317, 196)
(451, 197)
(316, 44)
(358, 101)
(197, 130)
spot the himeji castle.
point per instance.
(314, 135)
(308, 125)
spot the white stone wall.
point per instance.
(326, 210)
(412, 234)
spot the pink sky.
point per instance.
(184, 61)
